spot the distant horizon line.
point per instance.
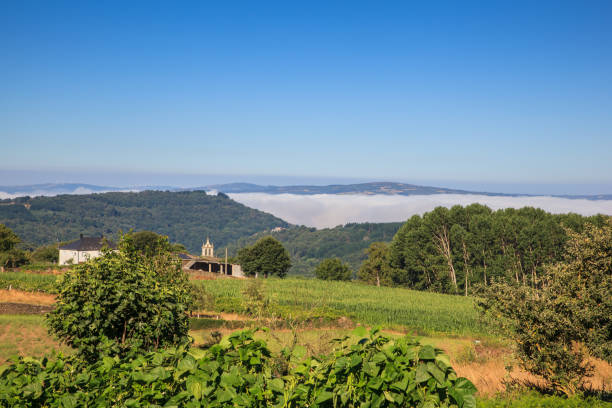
(55, 188)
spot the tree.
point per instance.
(376, 269)
(10, 255)
(333, 269)
(266, 257)
(150, 244)
(566, 314)
(8, 239)
(47, 253)
(123, 300)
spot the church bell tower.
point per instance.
(208, 249)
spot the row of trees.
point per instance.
(450, 250)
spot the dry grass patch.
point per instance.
(26, 335)
(31, 298)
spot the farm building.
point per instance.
(207, 263)
(83, 250)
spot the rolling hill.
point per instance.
(187, 217)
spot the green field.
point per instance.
(423, 312)
(30, 282)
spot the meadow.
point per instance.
(393, 308)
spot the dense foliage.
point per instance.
(376, 269)
(122, 300)
(149, 243)
(46, 253)
(333, 269)
(309, 246)
(451, 250)
(566, 315)
(10, 255)
(266, 257)
(240, 371)
(185, 217)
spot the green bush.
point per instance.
(125, 297)
(333, 269)
(565, 318)
(240, 371)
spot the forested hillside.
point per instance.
(186, 217)
(450, 250)
(309, 246)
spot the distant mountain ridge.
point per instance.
(372, 188)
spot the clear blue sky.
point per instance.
(467, 92)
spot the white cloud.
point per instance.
(328, 210)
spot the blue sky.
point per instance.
(486, 93)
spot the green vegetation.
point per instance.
(10, 255)
(30, 282)
(185, 217)
(293, 297)
(376, 269)
(150, 244)
(47, 253)
(452, 250)
(535, 400)
(121, 301)
(333, 269)
(240, 371)
(309, 246)
(571, 305)
(267, 257)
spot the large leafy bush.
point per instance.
(122, 300)
(240, 372)
(565, 318)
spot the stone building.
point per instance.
(208, 264)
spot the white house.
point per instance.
(82, 250)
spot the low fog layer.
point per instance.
(326, 210)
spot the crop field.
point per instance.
(423, 312)
(30, 282)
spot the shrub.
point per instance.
(122, 300)
(568, 315)
(47, 253)
(333, 269)
(375, 372)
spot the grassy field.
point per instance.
(26, 335)
(423, 312)
(31, 282)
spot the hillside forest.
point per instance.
(185, 217)
(452, 250)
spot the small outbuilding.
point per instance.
(83, 250)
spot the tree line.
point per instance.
(451, 250)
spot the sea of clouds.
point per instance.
(328, 210)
